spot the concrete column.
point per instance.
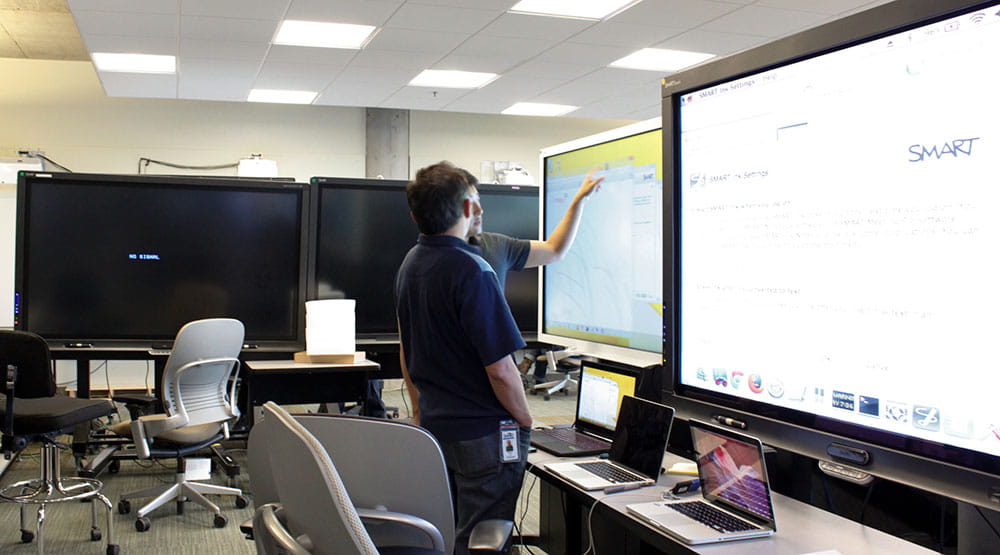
(387, 143)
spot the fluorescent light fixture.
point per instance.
(452, 79)
(134, 63)
(323, 35)
(576, 9)
(537, 109)
(659, 59)
(278, 96)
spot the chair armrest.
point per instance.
(491, 536)
(148, 427)
(379, 516)
(268, 528)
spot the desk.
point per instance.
(802, 528)
(288, 382)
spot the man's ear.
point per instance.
(467, 208)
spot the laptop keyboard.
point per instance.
(610, 472)
(712, 517)
(572, 437)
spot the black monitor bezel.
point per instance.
(323, 183)
(906, 459)
(26, 179)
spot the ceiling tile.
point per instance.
(246, 9)
(396, 78)
(768, 22)
(579, 93)
(122, 6)
(409, 40)
(500, 5)
(223, 50)
(828, 7)
(626, 77)
(513, 48)
(674, 13)
(359, 12)
(392, 59)
(487, 64)
(227, 29)
(712, 42)
(553, 70)
(441, 18)
(598, 55)
(295, 76)
(215, 79)
(627, 34)
(533, 26)
(139, 85)
(422, 98)
(166, 46)
(310, 55)
(126, 24)
(349, 93)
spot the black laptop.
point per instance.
(601, 390)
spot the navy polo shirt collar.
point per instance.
(448, 241)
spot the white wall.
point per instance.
(60, 108)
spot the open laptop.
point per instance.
(599, 395)
(736, 500)
(636, 450)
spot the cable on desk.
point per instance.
(524, 509)
(591, 548)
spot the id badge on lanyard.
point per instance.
(509, 441)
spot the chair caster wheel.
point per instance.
(220, 521)
(241, 502)
(95, 534)
(112, 550)
(547, 397)
(142, 524)
(27, 536)
(124, 507)
(115, 466)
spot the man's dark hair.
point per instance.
(435, 197)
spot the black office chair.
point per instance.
(33, 412)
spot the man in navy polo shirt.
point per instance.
(456, 339)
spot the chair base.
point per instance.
(180, 492)
(52, 488)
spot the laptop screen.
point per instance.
(641, 435)
(601, 391)
(732, 470)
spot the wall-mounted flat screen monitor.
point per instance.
(605, 297)
(834, 211)
(364, 230)
(112, 259)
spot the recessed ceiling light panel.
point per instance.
(659, 59)
(538, 109)
(277, 96)
(576, 9)
(323, 35)
(134, 63)
(452, 79)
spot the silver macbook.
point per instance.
(736, 498)
(636, 449)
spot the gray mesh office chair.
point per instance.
(405, 509)
(33, 412)
(199, 392)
